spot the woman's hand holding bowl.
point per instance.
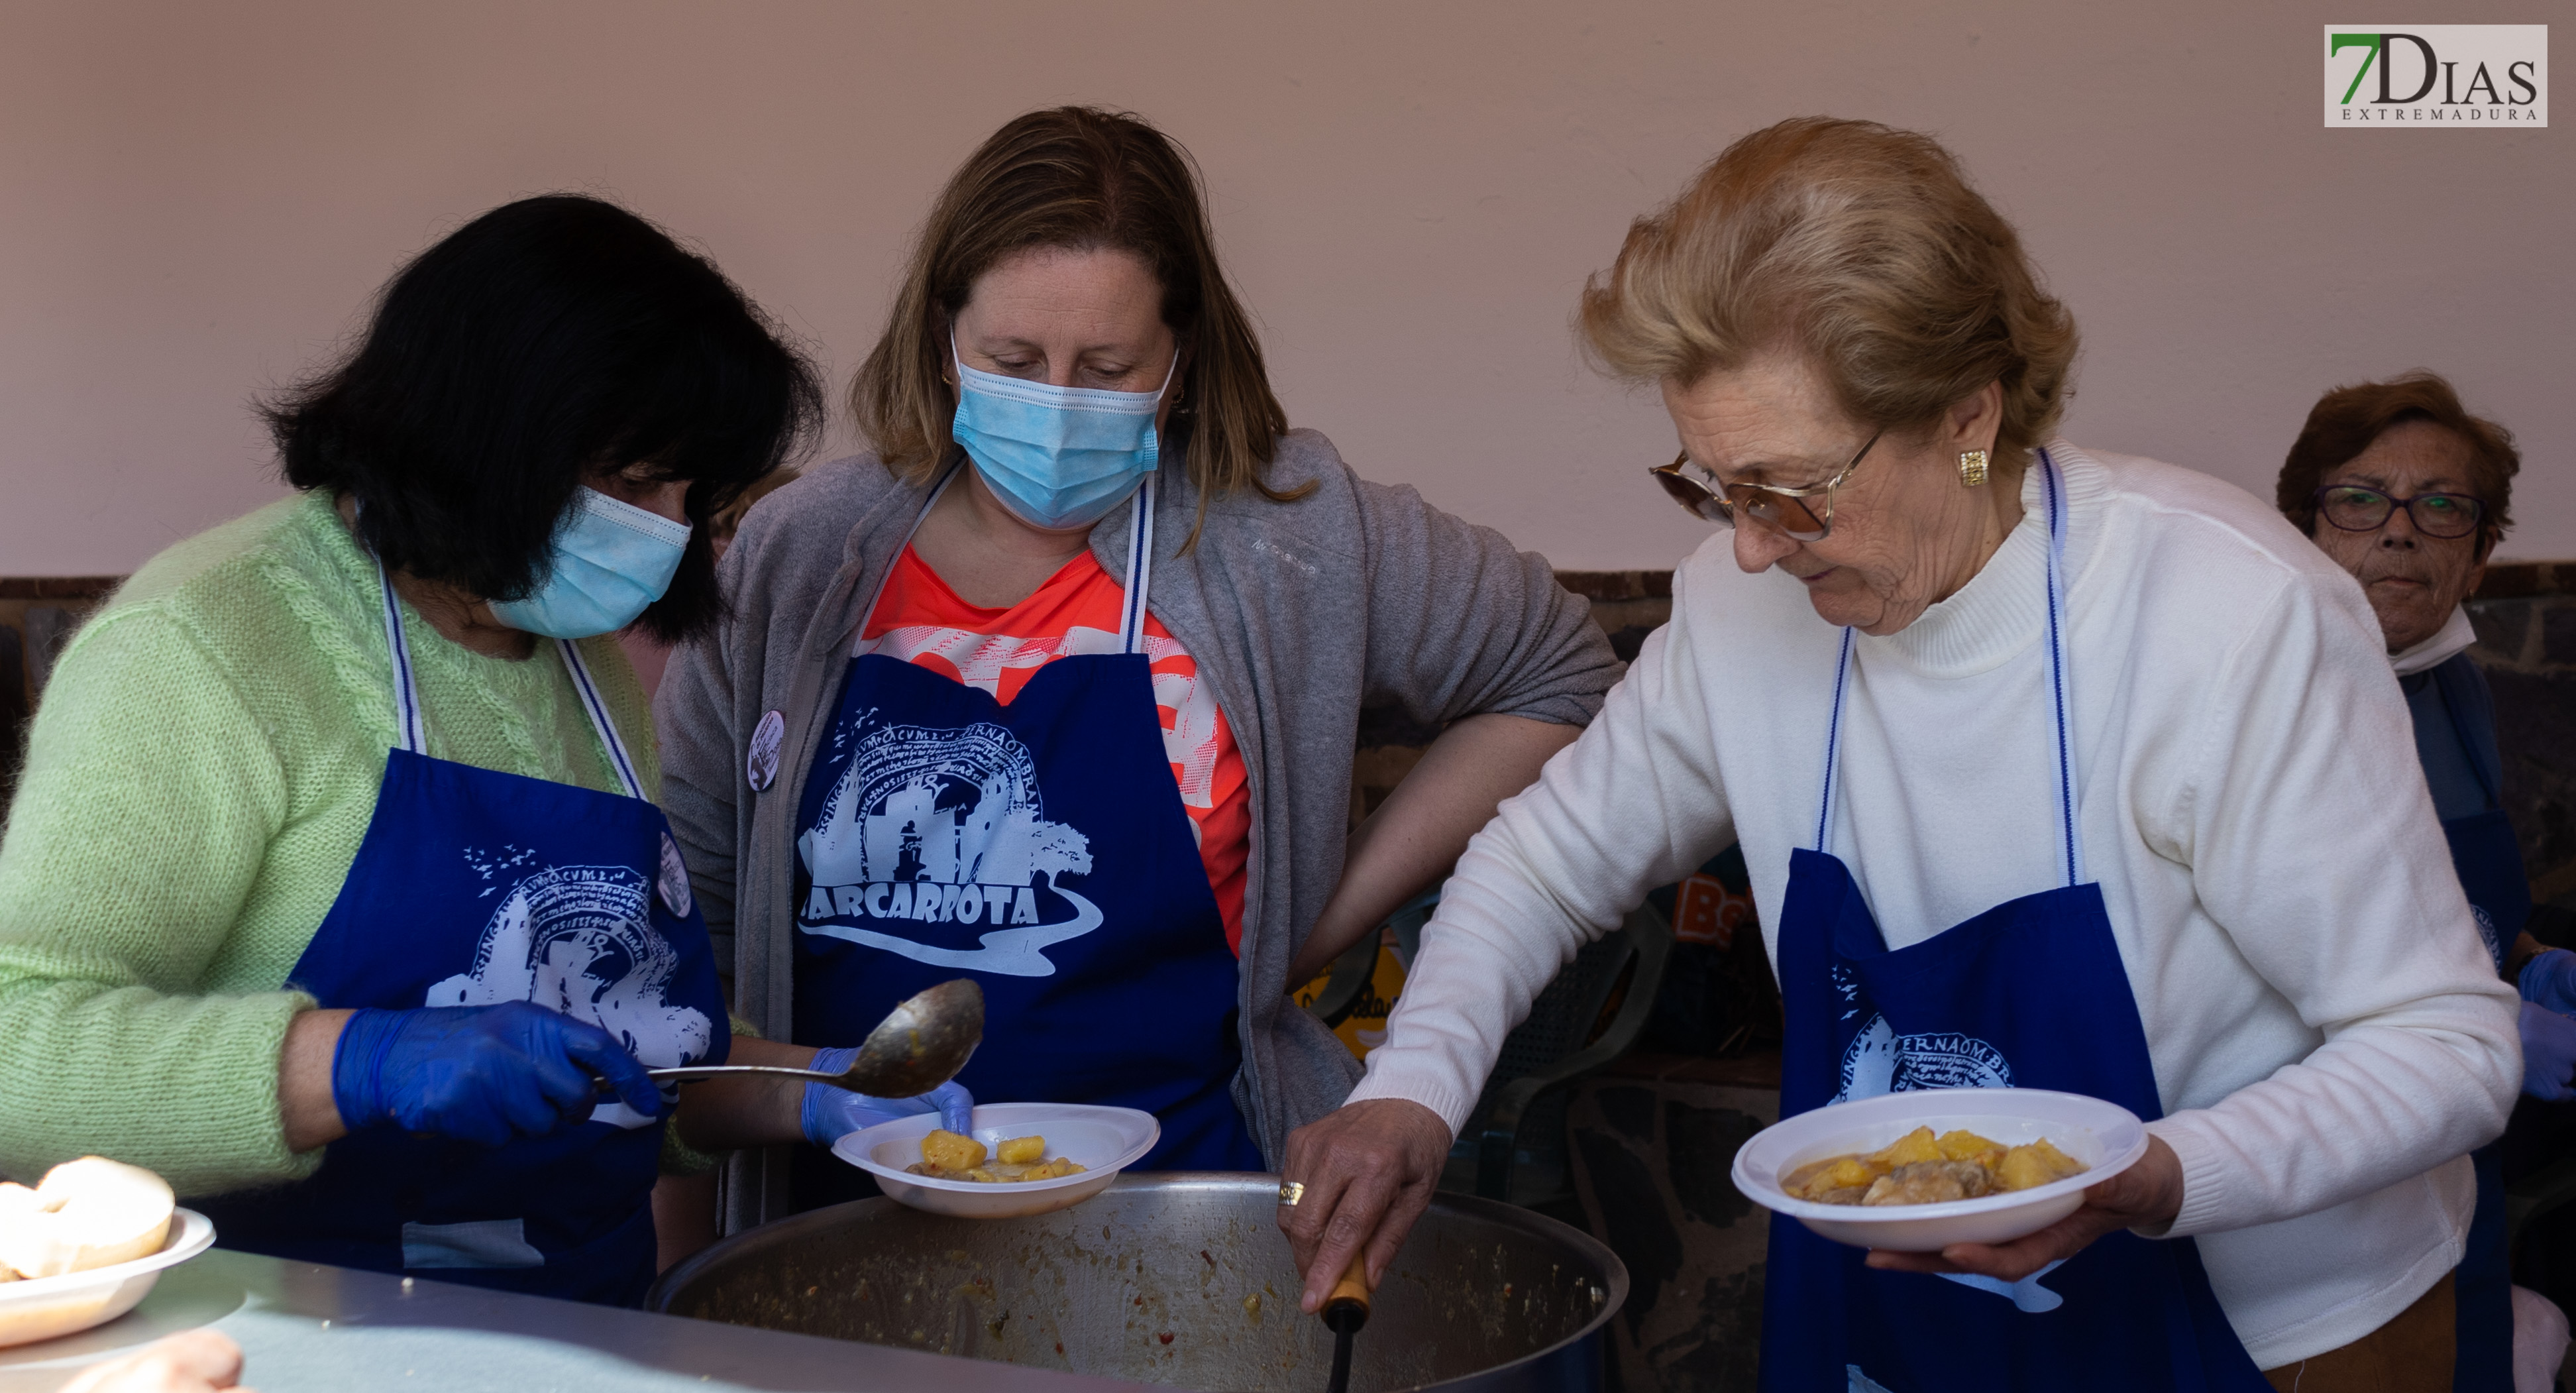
(2146, 1195)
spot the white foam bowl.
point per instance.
(41, 1308)
(2106, 1137)
(1103, 1140)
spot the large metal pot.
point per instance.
(1179, 1279)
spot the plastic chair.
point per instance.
(1522, 1112)
(1353, 969)
(1564, 1039)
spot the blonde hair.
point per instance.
(1083, 179)
(1864, 249)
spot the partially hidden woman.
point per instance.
(2410, 493)
(334, 891)
(2053, 768)
(1058, 688)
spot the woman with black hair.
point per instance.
(357, 1003)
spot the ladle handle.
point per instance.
(699, 1073)
(1351, 1293)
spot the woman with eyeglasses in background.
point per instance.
(2053, 769)
(2410, 493)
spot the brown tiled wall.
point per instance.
(36, 615)
(2526, 622)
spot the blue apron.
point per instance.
(2032, 994)
(1040, 848)
(475, 887)
(2488, 859)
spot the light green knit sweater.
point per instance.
(198, 779)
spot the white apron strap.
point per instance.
(1140, 572)
(592, 702)
(2061, 700)
(955, 467)
(407, 727)
(2060, 672)
(1833, 747)
(409, 730)
(1140, 564)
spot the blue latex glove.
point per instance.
(833, 1113)
(2550, 980)
(2548, 1053)
(486, 1074)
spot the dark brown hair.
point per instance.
(1082, 179)
(539, 342)
(1864, 248)
(2344, 422)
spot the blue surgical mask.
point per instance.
(1057, 457)
(610, 561)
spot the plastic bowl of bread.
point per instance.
(1918, 1171)
(85, 1244)
(1019, 1158)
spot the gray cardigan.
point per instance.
(1300, 614)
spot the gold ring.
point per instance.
(1289, 1193)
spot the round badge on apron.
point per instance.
(760, 766)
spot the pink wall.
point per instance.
(195, 200)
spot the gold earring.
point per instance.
(1972, 468)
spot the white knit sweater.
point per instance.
(2328, 1034)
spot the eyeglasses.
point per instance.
(1783, 508)
(2356, 509)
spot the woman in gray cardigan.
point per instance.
(1058, 689)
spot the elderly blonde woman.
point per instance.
(2053, 768)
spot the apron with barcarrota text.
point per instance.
(1039, 847)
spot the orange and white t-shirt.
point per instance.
(919, 620)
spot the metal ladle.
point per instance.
(920, 1045)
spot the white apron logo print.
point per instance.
(674, 880)
(1881, 1061)
(579, 939)
(2489, 935)
(939, 827)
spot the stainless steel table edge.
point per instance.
(311, 1328)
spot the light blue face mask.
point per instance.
(610, 561)
(1057, 457)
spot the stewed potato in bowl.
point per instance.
(1078, 1147)
(1950, 1165)
(947, 1155)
